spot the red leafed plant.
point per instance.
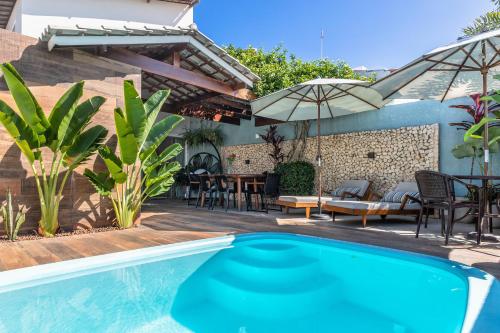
(475, 110)
(271, 137)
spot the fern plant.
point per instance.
(12, 223)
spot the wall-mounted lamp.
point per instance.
(257, 136)
(247, 161)
(371, 155)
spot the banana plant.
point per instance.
(139, 171)
(64, 133)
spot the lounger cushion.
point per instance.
(341, 190)
(370, 205)
(358, 183)
(396, 196)
(304, 199)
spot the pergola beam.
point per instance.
(176, 73)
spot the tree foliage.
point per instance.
(278, 69)
(486, 22)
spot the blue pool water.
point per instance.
(243, 284)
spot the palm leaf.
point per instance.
(155, 160)
(30, 110)
(166, 171)
(152, 107)
(134, 111)
(102, 182)
(64, 108)
(79, 120)
(126, 138)
(85, 145)
(113, 164)
(23, 135)
(159, 132)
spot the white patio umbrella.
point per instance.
(317, 99)
(451, 71)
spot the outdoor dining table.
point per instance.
(485, 181)
(239, 179)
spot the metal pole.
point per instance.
(484, 73)
(318, 156)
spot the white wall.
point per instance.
(38, 14)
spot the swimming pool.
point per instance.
(264, 282)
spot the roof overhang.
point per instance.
(6, 7)
(82, 37)
(205, 81)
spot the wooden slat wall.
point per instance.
(49, 75)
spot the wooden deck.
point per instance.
(168, 222)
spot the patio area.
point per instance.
(172, 221)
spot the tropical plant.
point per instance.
(12, 223)
(296, 178)
(139, 136)
(64, 133)
(473, 147)
(209, 135)
(488, 21)
(473, 137)
(275, 140)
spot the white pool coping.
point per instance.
(479, 311)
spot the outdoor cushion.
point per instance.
(371, 205)
(339, 191)
(358, 183)
(303, 199)
(406, 187)
(395, 196)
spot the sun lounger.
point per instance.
(403, 200)
(351, 189)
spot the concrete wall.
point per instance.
(48, 76)
(36, 15)
(389, 117)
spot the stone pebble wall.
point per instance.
(398, 154)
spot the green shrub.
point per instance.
(297, 178)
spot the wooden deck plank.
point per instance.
(170, 222)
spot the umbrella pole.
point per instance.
(319, 216)
(318, 157)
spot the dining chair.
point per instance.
(437, 191)
(222, 188)
(267, 193)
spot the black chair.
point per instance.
(222, 188)
(194, 185)
(267, 193)
(437, 191)
(205, 191)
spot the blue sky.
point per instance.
(373, 33)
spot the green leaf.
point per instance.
(153, 106)
(85, 145)
(23, 135)
(126, 138)
(65, 107)
(80, 119)
(154, 160)
(134, 111)
(166, 171)
(472, 131)
(159, 132)
(102, 182)
(30, 110)
(113, 164)
(463, 150)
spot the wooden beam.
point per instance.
(175, 73)
(261, 121)
(176, 59)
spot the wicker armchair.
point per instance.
(437, 191)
